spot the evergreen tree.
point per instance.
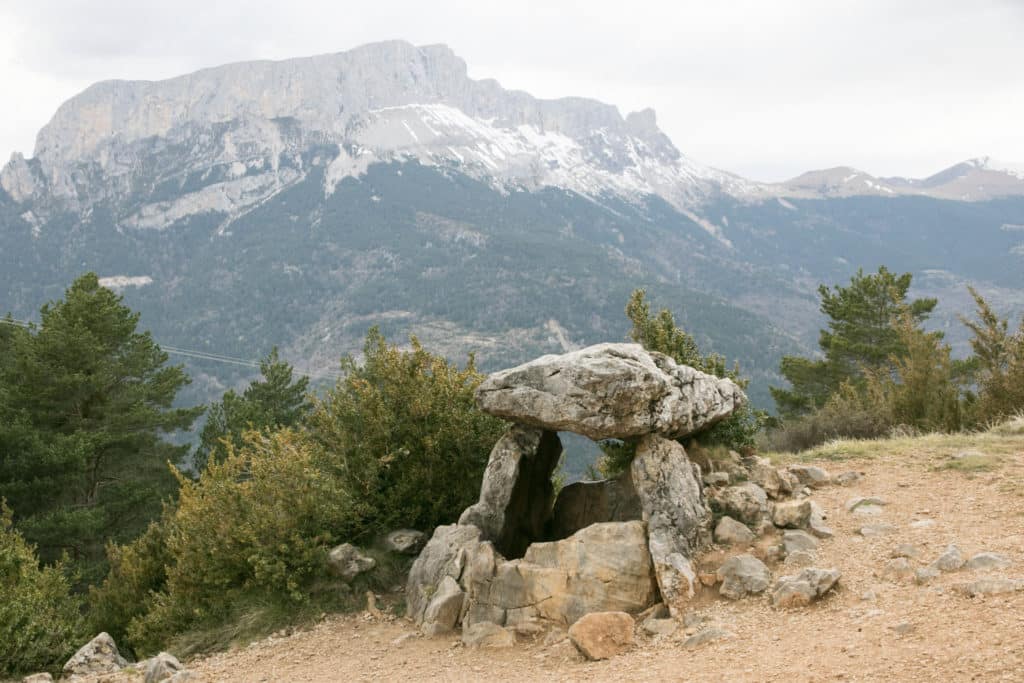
(85, 398)
(660, 333)
(861, 336)
(277, 400)
(998, 362)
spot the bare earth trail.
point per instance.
(845, 637)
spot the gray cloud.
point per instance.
(764, 89)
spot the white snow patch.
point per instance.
(121, 282)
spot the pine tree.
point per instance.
(277, 400)
(85, 398)
(861, 336)
(998, 362)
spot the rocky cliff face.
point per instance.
(234, 135)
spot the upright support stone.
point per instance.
(516, 495)
(588, 502)
(678, 520)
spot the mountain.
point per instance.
(298, 202)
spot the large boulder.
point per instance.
(601, 635)
(98, 656)
(516, 495)
(610, 391)
(677, 516)
(587, 502)
(600, 568)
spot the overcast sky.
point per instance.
(765, 88)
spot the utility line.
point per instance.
(196, 354)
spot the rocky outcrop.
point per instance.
(678, 520)
(610, 391)
(516, 495)
(98, 656)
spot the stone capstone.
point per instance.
(678, 520)
(601, 635)
(610, 391)
(347, 562)
(587, 502)
(516, 495)
(98, 656)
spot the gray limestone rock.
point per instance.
(486, 634)
(792, 514)
(444, 555)
(730, 532)
(742, 575)
(444, 609)
(806, 587)
(405, 541)
(98, 656)
(678, 520)
(950, 560)
(988, 561)
(794, 540)
(516, 494)
(347, 562)
(746, 502)
(610, 391)
(810, 475)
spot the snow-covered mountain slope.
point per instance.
(973, 180)
(233, 136)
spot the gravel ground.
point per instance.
(849, 636)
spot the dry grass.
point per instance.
(966, 451)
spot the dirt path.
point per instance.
(846, 637)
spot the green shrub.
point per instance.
(847, 414)
(40, 622)
(253, 527)
(404, 436)
(138, 570)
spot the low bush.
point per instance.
(402, 433)
(254, 527)
(40, 620)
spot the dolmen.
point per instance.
(519, 556)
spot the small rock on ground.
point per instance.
(487, 634)
(600, 635)
(706, 636)
(988, 561)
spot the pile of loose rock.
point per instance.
(522, 560)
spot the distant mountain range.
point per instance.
(298, 202)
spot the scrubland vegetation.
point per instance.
(108, 525)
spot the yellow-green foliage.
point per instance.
(137, 571)
(403, 434)
(256, 524)
(40, 622)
